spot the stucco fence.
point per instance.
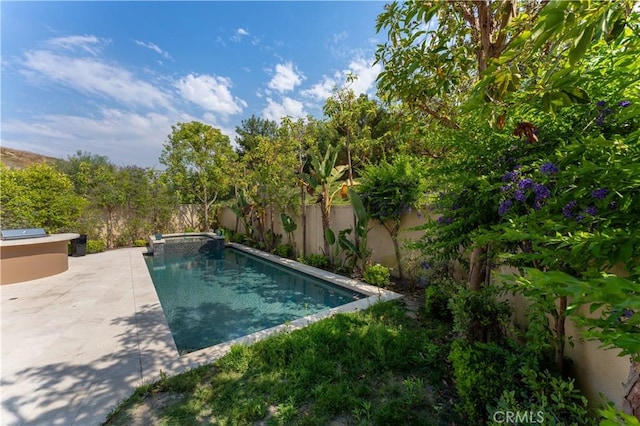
(599, 373)
(378, 240)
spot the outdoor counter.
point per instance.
(32, 258)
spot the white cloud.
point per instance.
(361, 68)
(322, 90)
(286, 78)
(92, 76)
(240, 32)
(125, 137)
(366, 72)
(88, 43)
(288, 107)
(153, 47)
(211, 93)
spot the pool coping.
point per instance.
(375, 295)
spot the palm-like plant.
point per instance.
(324, 181)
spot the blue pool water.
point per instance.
(210, 298)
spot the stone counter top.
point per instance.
(53, 238)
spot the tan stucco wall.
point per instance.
(597, 371)
(29, 262)
(378, 239)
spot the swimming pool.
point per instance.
(213, 297)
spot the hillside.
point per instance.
(15, 158)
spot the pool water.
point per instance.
(210, 298)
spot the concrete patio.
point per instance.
(74, 344)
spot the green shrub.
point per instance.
(552, 399)
(482, 372)
(377, 275)
(95, 246)
(437, 296)
(478, 316)
(139, 243)
(316, 260)
(285, 250)
(237, 237)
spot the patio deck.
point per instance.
(76, 343)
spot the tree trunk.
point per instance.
(325, 220)
(631, 400)
(349, 156)
(393, 233)
(477, 270)
(304, 224)
(206, 212)
(560, 317)
(396, 247)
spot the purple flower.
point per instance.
(541, 191)
(607, 111)
(628, 313)
(505, 188)
(442, 220)
(601, 103)
(567, 210)
(624, 104)
(525, 184)
(549, 168)
(537, 205)
(591, 210)
(579, 218)
(519, 195)
(425, 265)
(504, 207)
(600, 120)
(600, 194)
(510, 176)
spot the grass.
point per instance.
(373, 367)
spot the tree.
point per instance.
(81, 167)
(199, 158)
(431, 70)
(437, 50)
(388, 191)
(251, 129)
(357, 121)
(304, 134)
(39, 196)
(271, 165)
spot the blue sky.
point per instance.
(111, 78)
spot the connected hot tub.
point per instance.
(29, 254)
(189, 242)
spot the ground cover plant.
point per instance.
(373, 367)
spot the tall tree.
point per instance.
(435, 53)
(272, 172)
(251, 130)
(199, 158)
(303, 133)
